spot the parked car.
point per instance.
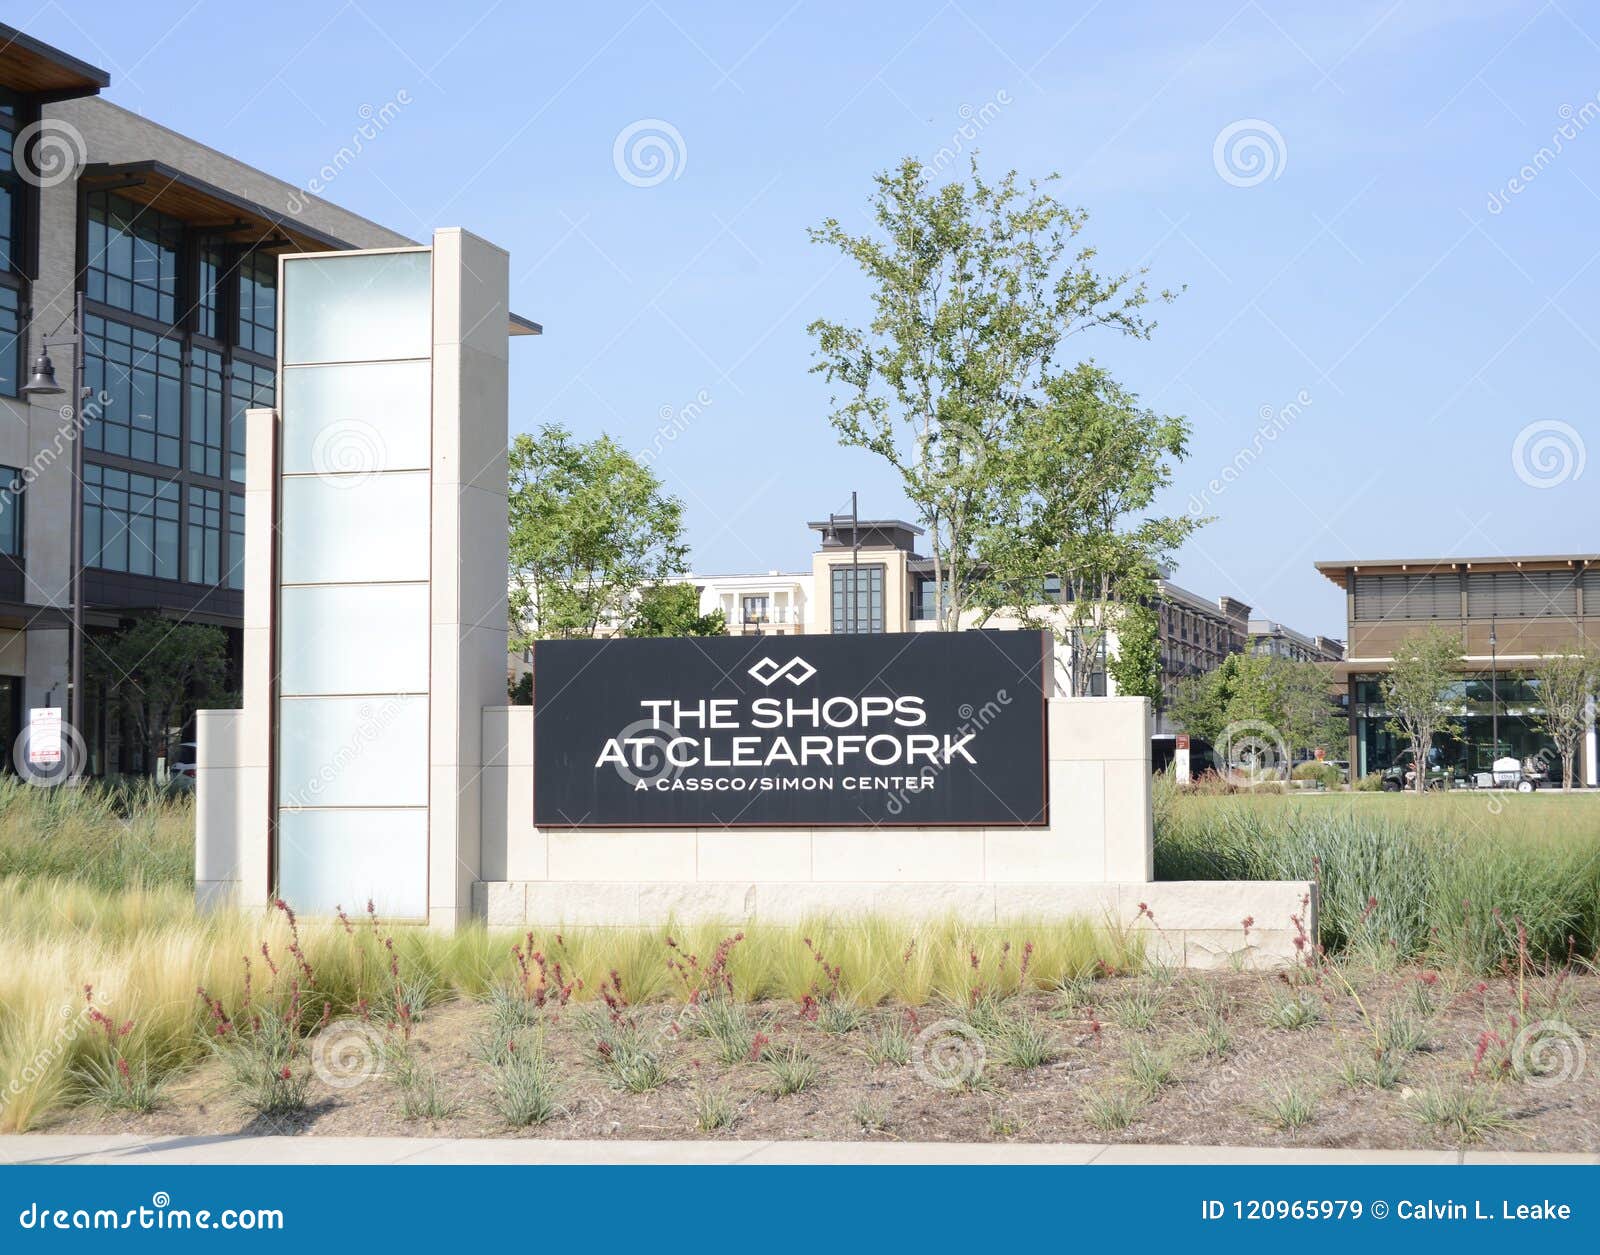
(180, 769)
(1402, 774)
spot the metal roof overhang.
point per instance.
(36, 69)
(198, 203)
(1339, 572)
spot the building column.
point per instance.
(1591, 769)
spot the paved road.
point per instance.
(228, 1149)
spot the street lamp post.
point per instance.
(42, 383)
(1494, 699)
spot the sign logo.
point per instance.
(797, 670)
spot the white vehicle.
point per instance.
(1509, 773)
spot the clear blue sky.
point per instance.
(1366, 270)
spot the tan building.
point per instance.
(1506, 611)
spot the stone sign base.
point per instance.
(1095, 858)
(1189, 923)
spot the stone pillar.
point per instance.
(471, 280)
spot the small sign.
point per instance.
(1181, 758)
(44, 736)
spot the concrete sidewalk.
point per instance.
(230, 1149)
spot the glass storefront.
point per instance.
(1474, 699)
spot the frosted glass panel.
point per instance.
(354, 638)
(349, 529)
(370, 308)
(353, 751)
(360, 418)
(341, 858)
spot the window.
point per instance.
(258, 303)
(754, 609)
(251, 387)
(858, 599)
(11, 199)
(133, 257)
(130, 522)
(10, 340)
(203, 531)
(205, 413)
(235, 540)
(207, 311)
(10, 186)
(141, 376)
(11, 512)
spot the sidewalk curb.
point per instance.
(45, 1148)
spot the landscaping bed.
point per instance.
(1347, 1057)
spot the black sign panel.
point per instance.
(928, 728)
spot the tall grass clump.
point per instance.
(122, 836)
(1403, 876)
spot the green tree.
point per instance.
(1089, 464)
(156, 673)
(1135, 667)
(1310, 711)
(591, 528)
(1567, 683)
(974, 287)
(674, 610)
(1198, 704)
(1414, 692)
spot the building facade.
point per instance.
(1277, 640)
(867, 576)
(170, 249)
(1506, 612)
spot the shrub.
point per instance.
(791, 1070)
(1112, 1109)
(1324, 774)
(524, 1086)
(1465, 1113)
(1289, 1107)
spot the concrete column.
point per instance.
(471, 280)
(1590, 775)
